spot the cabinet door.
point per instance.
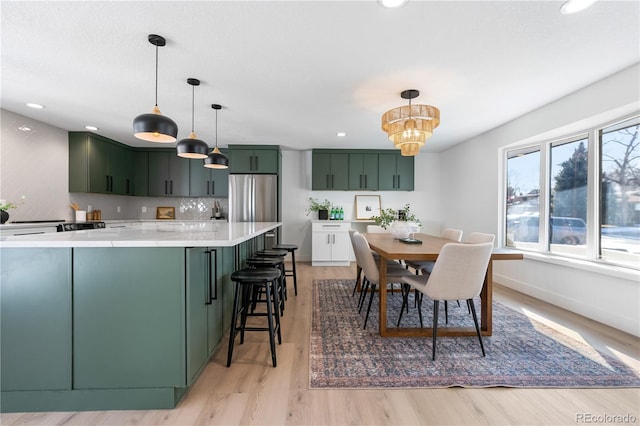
(321, 246)
(141, 173)
(405, 172)
(99, 180)
(158, 174)
(241, 160)
(178, 175)
(199, 180)
(266, 161)
(121, 170)
(219, 183)
(215, 307)
(387, 175)
(197, 260)
(227, 286)
(363, 171)
(340, 171)
(35, 319)
(128, 317)
(341, 246)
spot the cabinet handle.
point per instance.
(251, 162)
(213, 275)
(107, 183)
(207, 187)
(213, 187)
(171, 186)
(128, 187)
(398, 181)
(256, 162)
(366, 184)
(207, 298)
(328, 238)
(334, 238)
(327, 181)
(394, 181)
(332, 183)
(360, 181)
(166, 187)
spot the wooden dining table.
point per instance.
(389, 249)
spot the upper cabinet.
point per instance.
(361, 170)
(329, 170)
(168, 174)
(99, 165)
(206, 182)
(396, 173)
(260, 159)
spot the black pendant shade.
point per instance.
(216, 159)
(155, 127)
(192, 147)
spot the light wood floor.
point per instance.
(251, 392)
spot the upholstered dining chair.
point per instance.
(426, 266)
(371, 271)
(479, 237)
(458, 274)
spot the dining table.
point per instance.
(390, 248)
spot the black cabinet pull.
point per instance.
(398, 181)
(166, 190)
(328, 181)
(366, 185)
(360, 181)
(128, 187)
(214, 276)
(256, 157)
(207, 187)
(207, 299)
(171, 187)
(251, 162)
(107, 176)
(213, 187)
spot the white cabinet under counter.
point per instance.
(330, 243)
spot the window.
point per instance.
(619, 230)
(552, 205)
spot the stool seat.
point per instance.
(263, 261)
(256, 275)
(271, 252)
(287, 247)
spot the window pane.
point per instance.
(523, 193)
(620, 193)
(568, 202)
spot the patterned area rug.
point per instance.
(521, 353)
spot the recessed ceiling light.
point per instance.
(341, 134)
(392, 3)
(36, 106)
(25, 128)
(574, 6)
(92, 128)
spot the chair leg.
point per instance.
(295, 273)
(419, 301)
(475, 320)
(232, 332)
(358, 274)
(363, 293)
(446, 312)
(405, 301)
(366, 318)
(436, 305)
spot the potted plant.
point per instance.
(4, 206)
(397, 220)
(322, 207)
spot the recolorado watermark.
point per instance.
(589, 418)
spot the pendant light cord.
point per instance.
(216, 128)
(193, 91)
(156, 75)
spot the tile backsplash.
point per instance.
(116, 207)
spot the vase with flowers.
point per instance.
(4, 206)
(401, 223)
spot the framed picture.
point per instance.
(367, 206)
(165, 213)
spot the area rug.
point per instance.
(522, 352)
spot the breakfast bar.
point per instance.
(116, 318)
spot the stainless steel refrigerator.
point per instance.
(254, 198)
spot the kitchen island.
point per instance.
(116, 318)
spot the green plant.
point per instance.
(315, 205)
(6, 206)
(388, 216)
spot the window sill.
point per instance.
(586, 265)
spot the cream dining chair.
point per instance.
(426, 266)
(371, 272)
(458, 273)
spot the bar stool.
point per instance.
(279, 254)
(291, 248)
(247, 281)
(269, 262)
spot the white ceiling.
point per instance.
(294, 73)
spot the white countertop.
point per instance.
(150, 234)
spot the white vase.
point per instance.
(399, 229)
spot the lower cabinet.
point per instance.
(35, 319)
(95, 328)
(330, 243)
(204, 306)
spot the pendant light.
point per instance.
(216, 159)
(192, 147)
(155, 127)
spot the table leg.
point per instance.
(486, 296)
(382, 292)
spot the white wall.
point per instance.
(296, 190)
(470, 200)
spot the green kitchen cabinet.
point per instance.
(363, 171)
(227, 285)
(396, 172)
(168, 174)
(99, 165)
(206, 182)
(35, 319)
(329, 170)
(141, 173)
(260, 159)
(204, 306)
(128, 318)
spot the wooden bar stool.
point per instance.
(248, 283)
(291, 248)
(279, 254)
